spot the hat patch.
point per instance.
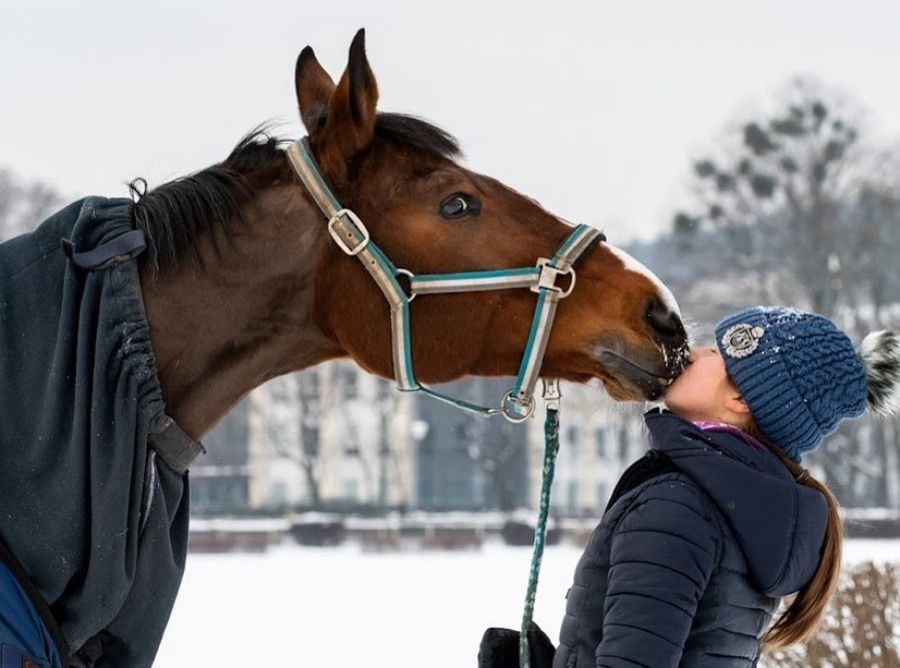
(742, 339)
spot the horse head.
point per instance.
(270, 292)
(430, 214)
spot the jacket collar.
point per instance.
(778, 523)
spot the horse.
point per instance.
(229, 277)
(275, 295)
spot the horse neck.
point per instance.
(245, 316)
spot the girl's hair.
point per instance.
(805, 612)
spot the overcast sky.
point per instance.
(594, 108)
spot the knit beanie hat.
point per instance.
(800, 375)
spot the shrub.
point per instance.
(861, 627)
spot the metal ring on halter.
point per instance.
(515, 417)
(411, 295)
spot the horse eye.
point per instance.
(459, 205)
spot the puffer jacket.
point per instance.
(688, 567)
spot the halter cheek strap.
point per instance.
(352, 237)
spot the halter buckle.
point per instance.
(339, 240)
(548, 276)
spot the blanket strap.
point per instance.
(121, 248)
(177, 449)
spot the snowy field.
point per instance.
(340, 607)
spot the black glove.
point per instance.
(500, 648)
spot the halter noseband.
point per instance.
(352, 237)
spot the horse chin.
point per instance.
(622, 390)
(618, 391)
(625, 381)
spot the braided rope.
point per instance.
(551, 447)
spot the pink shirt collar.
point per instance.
(707, 425)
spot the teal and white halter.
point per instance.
(352, 237)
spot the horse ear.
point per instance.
(314, 88)
(350, 121)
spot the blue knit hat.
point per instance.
(800, 375)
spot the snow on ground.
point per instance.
(339, 607)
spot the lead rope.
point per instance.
(551, 447)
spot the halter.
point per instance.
(352, 237)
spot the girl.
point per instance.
(707, 532)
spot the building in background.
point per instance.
(331, 438)
(337, 438)
(334, 437)
(464, 460)
(221, 479)
(598, 439)
(366, 456)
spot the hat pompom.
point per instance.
(880, 352)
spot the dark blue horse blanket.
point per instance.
(96, 520)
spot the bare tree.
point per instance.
(870, 272)
(293, 426)
(23, 205)
(860, 627)
(778, 196)
(9, 195)
(810, 213)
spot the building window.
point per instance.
(349, 378)
(350, 490)
(573, 495)
(623, 441)
(572, 438)
(383, 388)
(600, 437)
(602, 499)
(351, 442)
(309, 382)
(309, 440)
(279, 494)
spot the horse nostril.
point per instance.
(665, 323)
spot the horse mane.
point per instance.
(174, 214)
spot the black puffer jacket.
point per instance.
(687, 568)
